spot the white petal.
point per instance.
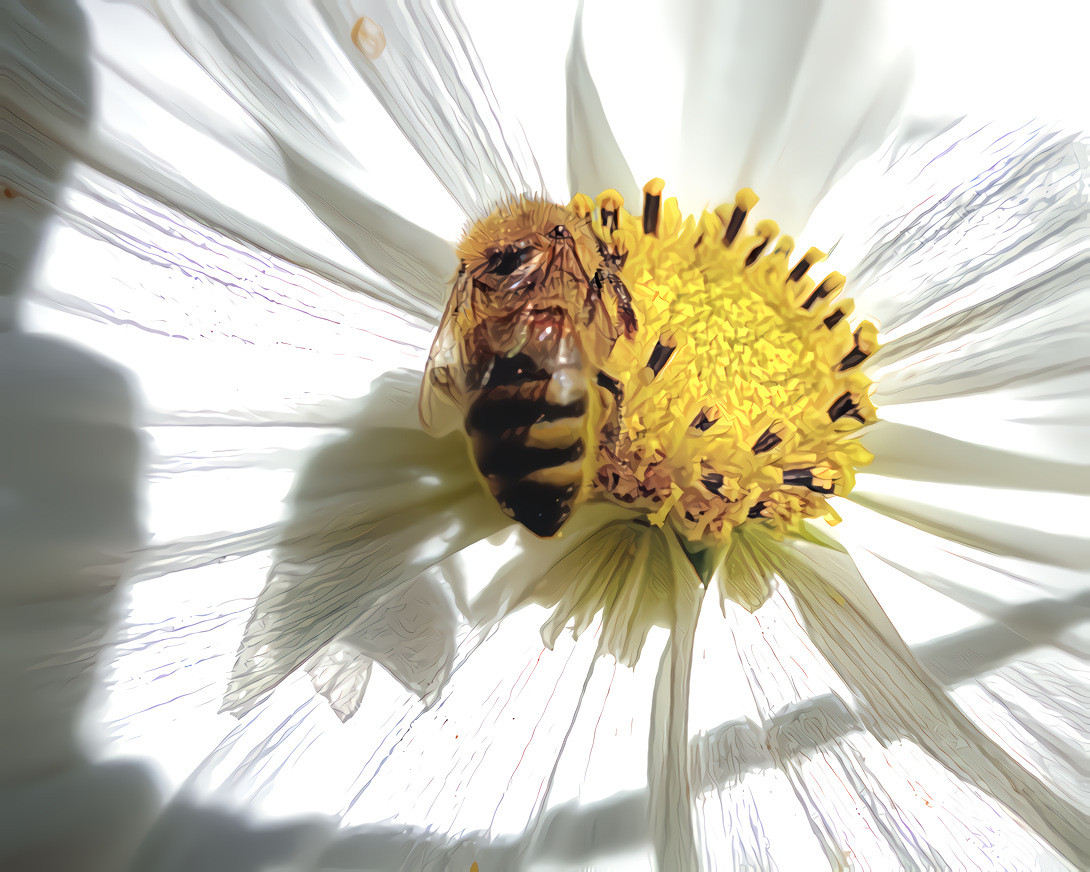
(1033, 332)
(1043, 420)
(595, 161)
(744, 577)
(340, 674)
(792, 772)
(290, 74)
(636, 576)
(163, 127)
(1010, 605)
(431, 81)
(70, 456)
(668, 764)
(843, 619)
(988, 224)
(1040, 527)
(370, 513)
(992, 629)
(901, 451)
(1037, 710)
(528, 76)
(777, 97)
(554, 746)
(413, 635)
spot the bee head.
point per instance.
(529, 254)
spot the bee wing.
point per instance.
(444, 375)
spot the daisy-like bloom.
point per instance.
(807, 590)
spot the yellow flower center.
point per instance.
(741, 392)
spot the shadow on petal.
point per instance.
(901, 451)
(847, 625)
(412, 635)
(370, 514)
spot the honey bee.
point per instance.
(521, 354)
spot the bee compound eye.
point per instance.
(507, 260)
(560, 232)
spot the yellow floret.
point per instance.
(753, 416)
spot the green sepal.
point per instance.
(704, 559)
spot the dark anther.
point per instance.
(845, 406)
(609, 219)
(737, 218)
(610, 384)
(804, 478)
(820, 292)
(854, 357)
(757, 511)
(834, 319)
(651, 213)
(751, 258)
(659, 356)
(800, 270)
(702, 422)
(713, 481)
(767, 442)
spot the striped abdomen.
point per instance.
(526, 428)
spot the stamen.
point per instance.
(581, 205)
(369, 38)
(865, 345)
(765, 231)
(829, 287)
(808, 260)
(744, 201)
(703, 422)
(711, 394)
(652, 197)
(834, 319)
(660, 356)
(713, 481)
(805, 478)
(845, 407)
(784, 246)
(767, 441)
(611, 202)
(610, 384)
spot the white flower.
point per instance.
(247, 213)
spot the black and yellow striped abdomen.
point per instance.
(527, 429)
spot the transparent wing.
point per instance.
(444, 375)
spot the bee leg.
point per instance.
(624, 303)
(614, 399)
(594, 297)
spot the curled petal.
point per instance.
(369, 514)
